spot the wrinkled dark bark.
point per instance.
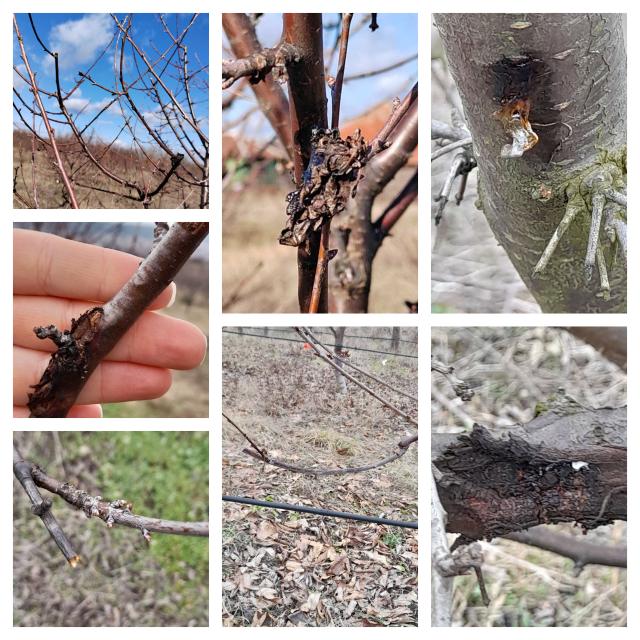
(556, 468)
(96, 332)
(568, 71)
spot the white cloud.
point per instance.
(18, 82)
(78, 42)
(77, 104)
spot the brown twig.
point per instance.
(115, 511)
(244, 42)
(258, 65)
(388, 67)
(580, 551)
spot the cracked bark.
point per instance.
(556, 468)
(96, 332)
(576, 89)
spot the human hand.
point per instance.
(55, 280)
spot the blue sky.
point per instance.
(79, 40)
(396, 39)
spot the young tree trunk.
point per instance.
(308, 110)
(568, 71)
(395, 339)
(341, 381)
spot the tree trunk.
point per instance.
(395, 339)
(568, 71)
(308, 111)
(557, 468)
(341, 381)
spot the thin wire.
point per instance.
(344, 346)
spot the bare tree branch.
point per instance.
(115, 511)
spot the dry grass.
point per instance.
(511, 370)
(253, 216)
(88, 179)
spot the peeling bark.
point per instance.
(561, 78)
(96, 332)
(560, 467)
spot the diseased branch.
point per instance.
(320, 283)
(41, 507)
(259, 453)
(308, 112)
(358, 236)
(94, 334)
(115, 511)
(560, 467)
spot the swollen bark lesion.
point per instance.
(566, 465)
(68, 364)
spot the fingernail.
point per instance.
(174, 290)
(206, 350)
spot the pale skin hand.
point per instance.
(55, 280)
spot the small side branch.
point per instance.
(460, 387)
(580, 551)
(257, 65)
(94, 334)
(41, 507)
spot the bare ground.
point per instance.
(291, 569)
(511, 370)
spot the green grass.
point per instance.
(164, 474)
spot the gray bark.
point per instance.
(572, 70)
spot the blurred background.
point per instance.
(121, 581)
(188, 396)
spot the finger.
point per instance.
(78, 411)
(44, 264)
(155, 339)
(110, 382)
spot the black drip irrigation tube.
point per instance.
(320, 512)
